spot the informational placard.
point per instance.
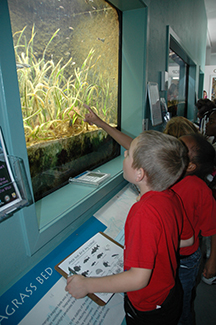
(154, 102)
(99, 256)
(39, 297)
(9, 192)
(57, 307)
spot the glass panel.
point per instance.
(66, 55)
(176, 94)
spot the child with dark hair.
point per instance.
(200, 207)
(153, 227)
(205, 106)
(211, 132)
(201, 154)
(211, 127)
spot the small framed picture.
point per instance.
(213, 87)
(9, 192)
(154, 102)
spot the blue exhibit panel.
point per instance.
(16, 303)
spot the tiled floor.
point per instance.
(205, 301)
(205, 304)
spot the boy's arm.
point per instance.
(186, 242)
(210, 266)
(134, 279)
(123, 139)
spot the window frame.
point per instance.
(185, 85)
(175, 44)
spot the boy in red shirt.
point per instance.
(153, 162)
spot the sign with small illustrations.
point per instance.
(99, 256)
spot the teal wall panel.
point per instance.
(188, 20)
(133, 70)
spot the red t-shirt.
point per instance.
(152, 232)
(200, 207)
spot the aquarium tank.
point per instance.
(67, 54)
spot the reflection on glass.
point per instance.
(66, 54)
(176, 94)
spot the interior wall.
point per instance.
(213, 59)
(133, 81)
(210, 57)
(187, 19)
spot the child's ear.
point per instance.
(140, 174)
(191, 167)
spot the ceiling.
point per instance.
(211, 17)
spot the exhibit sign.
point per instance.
(39, 297)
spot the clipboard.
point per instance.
(99, 253)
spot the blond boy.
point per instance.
(153, 227)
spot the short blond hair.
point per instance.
(164, 158)
(178, 126)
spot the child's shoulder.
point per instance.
(190, 180)
(155, 201)
(190, 184)
(155, 197)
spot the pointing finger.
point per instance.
(87, 107)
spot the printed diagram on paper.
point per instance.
(99, 256)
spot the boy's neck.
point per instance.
(144, 189)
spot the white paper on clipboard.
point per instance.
(99, 256)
